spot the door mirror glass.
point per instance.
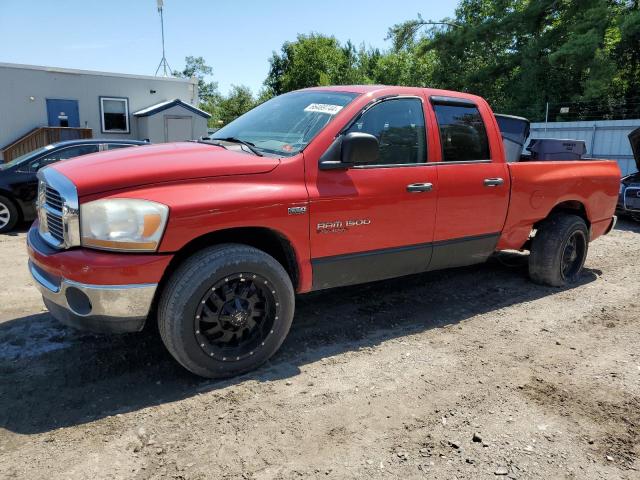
(359, 148)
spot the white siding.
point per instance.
(24, 90)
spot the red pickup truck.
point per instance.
(314, 189)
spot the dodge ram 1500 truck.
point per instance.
(314, 189)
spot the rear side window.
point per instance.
(462, 133)
(399, 127)
(114, 146)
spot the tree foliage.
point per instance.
(198, 68)
(519, 54)
(223, 108)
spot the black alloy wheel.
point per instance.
(236, 316)
(573, 255)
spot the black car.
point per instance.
(629, 198)
(18, 182)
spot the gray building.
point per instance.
(64, 103)
(603, 138)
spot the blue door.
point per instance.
(63, 113)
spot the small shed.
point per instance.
(171, 121)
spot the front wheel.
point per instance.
(226, 310)
(559, 250)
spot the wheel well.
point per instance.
(261, 238)
(573, 207)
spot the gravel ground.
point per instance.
(469, 373)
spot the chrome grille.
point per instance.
(54, 224)
(53, 198)
(58, 209)
(55, 205)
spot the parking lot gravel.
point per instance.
(468, 373)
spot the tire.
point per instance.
(9, 214)
(209, 311)
(635, 217)
(559, 250)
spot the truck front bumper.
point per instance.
(98, 308)
(103, 308)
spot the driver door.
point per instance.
(376, 221)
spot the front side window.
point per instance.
(286, 124)
(462, 133)
(114, 113)
(399, 126)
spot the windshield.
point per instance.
(25, 157)
(286, 124)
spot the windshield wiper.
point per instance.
(247, 144)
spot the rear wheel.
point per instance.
(226, 310)
(8, 215)
(559, 250)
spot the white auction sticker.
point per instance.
(323, 108)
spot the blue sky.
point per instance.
(235, 38)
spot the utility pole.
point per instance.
(164, 65)
(546, 117)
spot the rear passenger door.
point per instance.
(473, 183)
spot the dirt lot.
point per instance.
(473, 373)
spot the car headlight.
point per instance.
(123, 224)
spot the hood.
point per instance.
(167, 162)
(634, 140)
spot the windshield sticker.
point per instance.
(323, 108)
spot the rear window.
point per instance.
(462, 133)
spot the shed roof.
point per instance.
(158, 107)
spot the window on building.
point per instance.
(399, 127)
(114, 114)
(462, 133)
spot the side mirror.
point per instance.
(354, 148)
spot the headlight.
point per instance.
(123, 224)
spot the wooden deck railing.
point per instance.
(41, 136)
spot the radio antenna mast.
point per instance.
(164, 65)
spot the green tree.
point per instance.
(239, 101)
(521, 53)
(314, 60)
(198, 68)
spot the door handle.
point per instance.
(493, 182)
(419, 187)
